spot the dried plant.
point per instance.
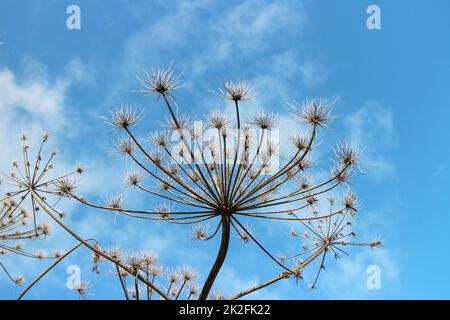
(220, 173)
(31, 181)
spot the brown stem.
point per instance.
(226, 221)
(281, 276)
(51, 267)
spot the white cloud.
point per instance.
(313, 73)
(372, 128)
(347, 279)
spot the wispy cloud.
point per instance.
(372, 127)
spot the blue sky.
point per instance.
(393, 90)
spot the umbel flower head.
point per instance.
(219, 176)
(236, 91)
(18, 207)
(161, 83)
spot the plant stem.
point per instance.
(226, 221)
(281, 276)
(50, 268)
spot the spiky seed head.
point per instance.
(161, 82)
(65, 186)
(350, 201)
(125, 146)
(193, 289)
(115, 253)
(161, 138)
(164, 210)
(136, 261)
(303, 182)
(342, 176)
(57, 254)
(312, 113)
(217, 120)
(79, 169)
(265, 121)
(19, 280)
(376, 243)
(301, 141)
(216, 295)
(44, 229)
(200, 232)
(348, 154)
(82, 287)
(125, 117)
(165, 184)
(312, 201)
(155, 269)
(114, 202)
(45, 136)
(245, 235)
(149, 257)
(236, 91)
(40, 255)
(182, 123)
(133, 178)
(188, 274)
(173, 276)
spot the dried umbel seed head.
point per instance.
(19, 280)
(125, 146)
(193, 289)
(155, 269)
(312, 113)
(40, 255)
(161, 82)
(65, 186)
(133, 178)
(114, 202)
(173, 277)
(342, 175)
(161, 138)
(125, 117)
(136, 261)
(265, 121)
(182, 123)
(164, 210)
(82, 287)
(245, 235)
(149, 257)
(217, 120)
(200, 233)
(236, 91)
(216, 295)
(303, 182)
(156, 157)
(301, 141)
(44, 229)
(351, 202)
(79, 169)
(57, 254)
(376, 243)
(115, 253)
(188, 274)
(348, 154)
(312, 201)
(165, 184)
